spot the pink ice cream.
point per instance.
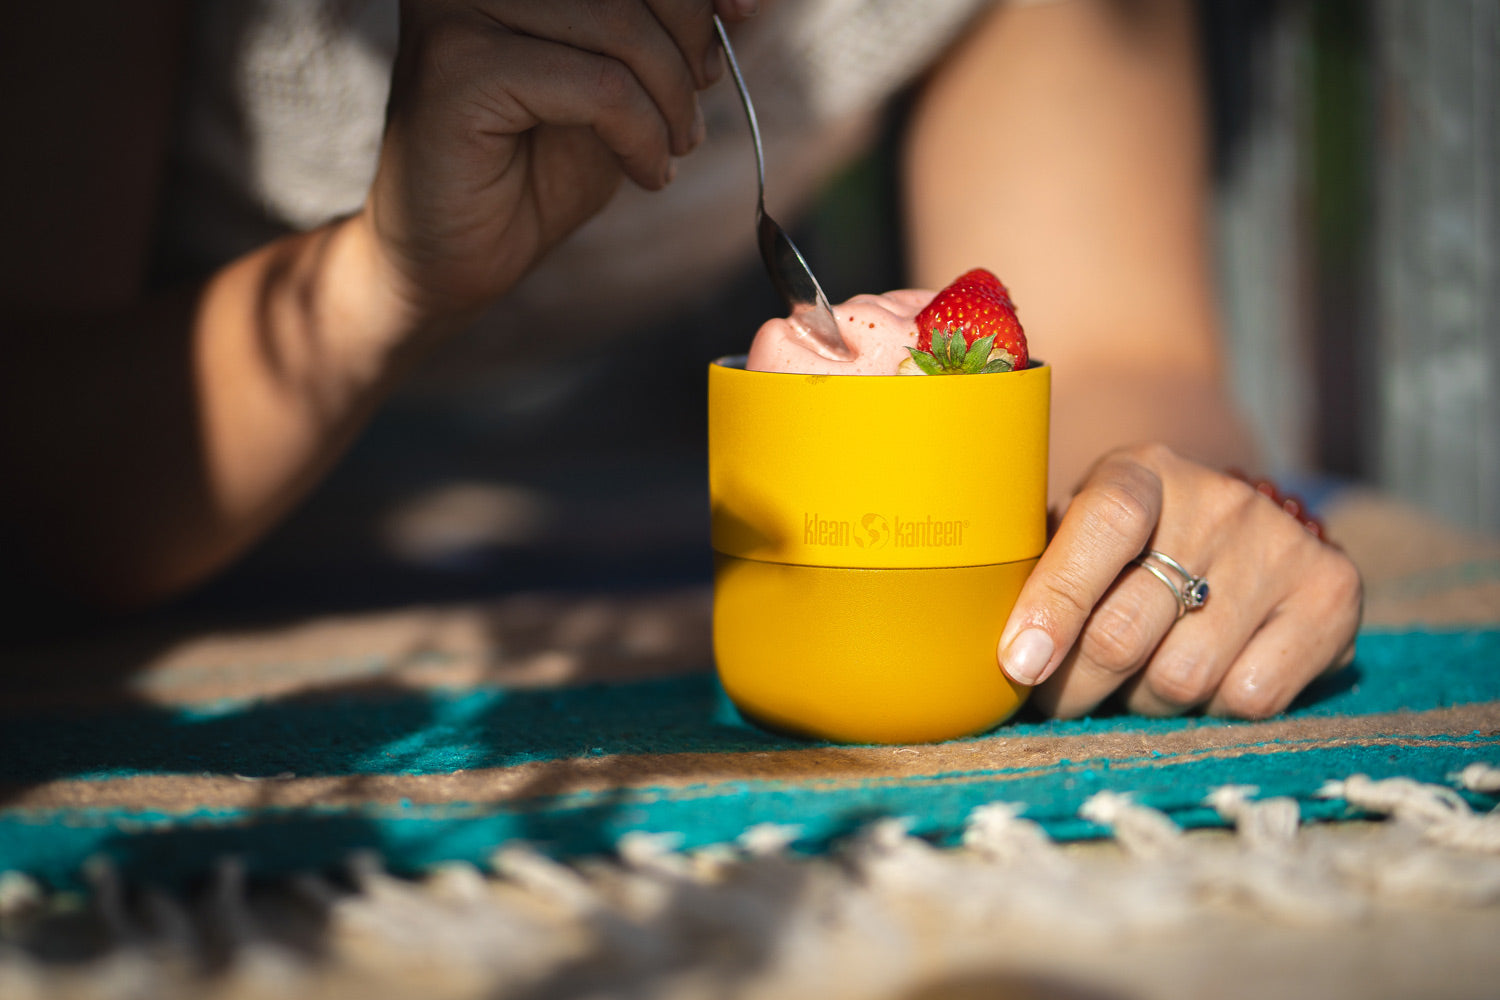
(877, 328)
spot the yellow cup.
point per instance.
(870, 536)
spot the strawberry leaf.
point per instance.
(925, 361)
(960, 349)
(978, 355)
(998, 365)
(941, 342)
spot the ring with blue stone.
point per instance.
(1193, 591)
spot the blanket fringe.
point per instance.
(534, 927)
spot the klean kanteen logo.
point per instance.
(876, 531)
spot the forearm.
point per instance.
(1062, 145)
(1097, 409)
(146, 448)
(293, 346)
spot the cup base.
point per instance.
(866, 655)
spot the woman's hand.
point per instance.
(1283, 606)
(511, 122)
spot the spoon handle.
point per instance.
(787, 268)
(739, 85)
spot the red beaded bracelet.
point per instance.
(1291, 504)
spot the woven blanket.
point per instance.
(570, 721)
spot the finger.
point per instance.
(1106, 525)
(525, 82)
(1191, 661)
(736, 10)
(691, 26)
(1116, 642)
(1261, 557)
(627, 32)
(1311, 633)
(1187, 667)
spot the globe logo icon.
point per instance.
(874, 532)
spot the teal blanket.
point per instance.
(424, 776)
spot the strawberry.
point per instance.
(978, 308)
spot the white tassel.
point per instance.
(109, 901)
(173, 924)
(554, 882)
(20, 895)
(258, 965)
(1480, 778)
(1145, 832)
(768, 838)
(1271, 871)
(1265, 824)
(656, 853)
(1439, 812)
(998, 832)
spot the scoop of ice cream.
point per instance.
(877, 328)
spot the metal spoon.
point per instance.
(793, 279)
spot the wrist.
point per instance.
(367, 292)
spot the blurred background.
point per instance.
(1357, 179)
(1356, 161)
(1359, 211)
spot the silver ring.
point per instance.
(1193, 591)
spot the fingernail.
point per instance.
(1027, 655)
(747, 8)
(671, 172)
